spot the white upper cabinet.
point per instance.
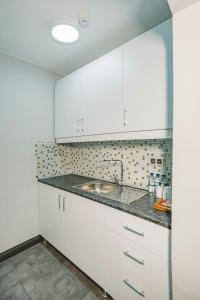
(127, 91)
(68, 106)
(147, 80)
(102, 95)
(89, 101)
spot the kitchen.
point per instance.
(99, 150)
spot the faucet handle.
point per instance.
(116, 179)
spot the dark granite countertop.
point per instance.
(142, 208)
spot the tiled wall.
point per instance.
(87, 159)
(52, 159)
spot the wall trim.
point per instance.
(21, 247)
(131, 135)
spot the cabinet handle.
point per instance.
(77, 125)
(140, 261)
(59, 202)
(125, 123)
(141, 293)
(82, 124)
(133, 230)
(64, 208)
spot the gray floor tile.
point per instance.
(90, 296)
(9, 276)
(37, 274)
(73, 291)
(6, 267)
(35, 262)
(16, 292)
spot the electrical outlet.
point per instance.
(153, 161)
(159, 161)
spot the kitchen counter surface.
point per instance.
(142, 208)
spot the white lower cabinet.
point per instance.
(111, 247)
(75, 226)
(133, 272)
(83, 236)
(50, 214)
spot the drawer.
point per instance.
(149, 235)
(133, 272)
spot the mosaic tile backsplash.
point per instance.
(87, 159)
(52, 159)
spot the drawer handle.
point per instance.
(82, 124)
(59, 202)
(141, 293)
(125, 123)
(133, 230)
(64, 208)
(77, 125)
(140, 261)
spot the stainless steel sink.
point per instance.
(98, 187)
(124, 194)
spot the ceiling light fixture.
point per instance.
(64, 33)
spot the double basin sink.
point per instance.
(121, 193)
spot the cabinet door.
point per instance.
(84, 235)
(102, 95)
(67, 106)
(147, 74)
(50, 215)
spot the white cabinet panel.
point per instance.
(93, 237)
(50, 214)
(102, 95)
(68, 106)
(138, 231)
(84, 235)
(144, 271)
(147, 80)
(126, 90)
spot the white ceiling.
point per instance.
(24, 28)
(177, 5)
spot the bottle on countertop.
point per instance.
(159, 190)
(163, 180)
(157, 182)
(151, 183)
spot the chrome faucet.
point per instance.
(118, 181)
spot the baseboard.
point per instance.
(21, 247)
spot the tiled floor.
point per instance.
(41, 273)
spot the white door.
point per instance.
(147, 75)
(83, 238)
(67, 106)
(50, 214)
(102, 95)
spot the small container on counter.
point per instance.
(167, 195)
(157, 183)
(159, 191)
(151, 182)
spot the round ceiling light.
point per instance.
(64, 33)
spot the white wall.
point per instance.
(26, 116)
(186, 156)
(177, 5)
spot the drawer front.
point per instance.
(149, 235)
(134, 272)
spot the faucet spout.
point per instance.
(118, 181)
